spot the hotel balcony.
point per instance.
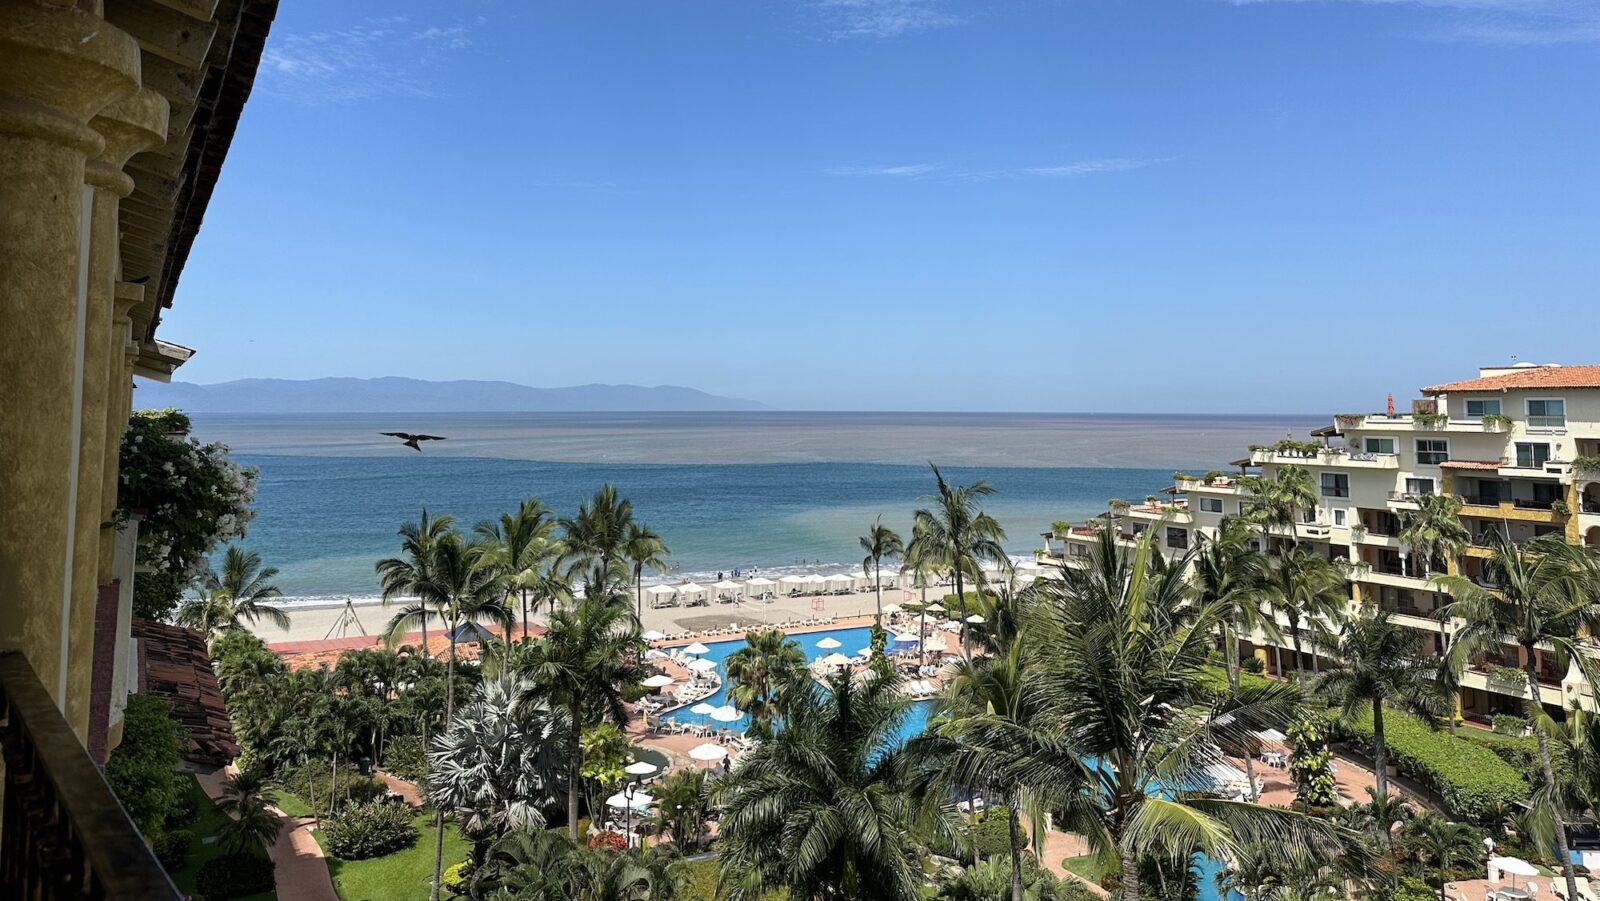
(63, 835)
(1329, 457)
(1381, 422)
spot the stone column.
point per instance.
(119, 400)
(128, 126)
(59, 66)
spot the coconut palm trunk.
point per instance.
(1230, 643)
(1562, 845)
(1130, 873)
(877, 573)
(1380, 749)
(449, 711)
(1016, 855)
(574, 756)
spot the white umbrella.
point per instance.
(975, 619)
(654, 654)
(907, 638)
(828, 643)
(702, 709)
(708, 752)
(640, 768)
(702, 665)
(727, 713)
(835, 659)
(866, 652)
(653, 635)
(641, 801)
(697, 648)
(658, 681)
(891, 608)
(1515, 866)
(935, 643)
(1224, 774)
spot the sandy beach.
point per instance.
(310, 623)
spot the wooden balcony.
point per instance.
(63, 833)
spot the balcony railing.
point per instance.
(63, 834)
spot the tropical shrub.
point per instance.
(142, 770)
(994, 833)
(370, 829)
(1252, 665)
(313, 780)
(172, 849)
(609, 840)
(1311, 764)
(233, 876)
(406, 758)
(1506, 724)
(1471, 778)
(191, 498)
(455, 877)
(1409, 888)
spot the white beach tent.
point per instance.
(864, 581)
(691, 590)
(792, 583)
(728, 588)
(839, 583)
(658, 592)
(759, 586)
(813, 581)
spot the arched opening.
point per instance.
(1589, 501)
(1592, 537)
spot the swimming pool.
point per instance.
(851, 640)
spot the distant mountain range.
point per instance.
(402, 395)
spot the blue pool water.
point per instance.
(850, 641)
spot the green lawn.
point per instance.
(1083, 866)
(405, 874)
(289, 804)
(208, 823)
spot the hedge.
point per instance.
(372, 829)
(1471, 778)
(1520, 751)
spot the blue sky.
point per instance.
(1195, 205)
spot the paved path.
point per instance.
(1059, 846)
(301, 870)
(407, 791)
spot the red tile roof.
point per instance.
(1587, 376)
(175, 665)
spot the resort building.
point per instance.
(115, 118)
(1519, 445)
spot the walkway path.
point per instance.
(1059, 846)
(301, 870)
(407, 791)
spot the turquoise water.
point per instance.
(850, 641)
(727, 490)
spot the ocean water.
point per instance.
(771, 491)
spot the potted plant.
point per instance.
(1496, 422)
(1559, 507)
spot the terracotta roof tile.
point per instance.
(1587, 376)
(175, 665)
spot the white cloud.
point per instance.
(1500, 22)
(375, 58)
(1074, 169)
(882, 18)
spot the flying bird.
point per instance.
(411, 440)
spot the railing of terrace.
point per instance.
(62, 832)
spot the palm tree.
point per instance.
(252, 824)
(1434, 530)
(587, 663)
(1382, 665)
(1545, 593)
(642, 547)
(401, 576)
(761, 672)
(820, 807)
(681, 806)
(499, 760)
(1381, 814)
(880, 542)
(956, 534)
(1230, 576)
(922, 560)
(1120, 646)
(1280, 500)
(549, 866)
(233, 597)
(522, 543)
(599, 533)
(1443, 844)
(1307, 590)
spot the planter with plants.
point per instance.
(1559, 507)
(1496, 422)
(1429, 420)
(1349, 420)
(1508, 676)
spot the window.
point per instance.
(1547, 414)
(1416, 487)
(1211, 505)
(1078, 550)
(1532, 455)
(1432, 451)
(1477, 409)
(1177, 538)
(1335, 484)
(1339, 514)
(1379, 445)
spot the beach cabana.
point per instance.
(658, 593)
(813, 582)
(728, 590)
(864, 581)
(792, 584)
(759, 587)
(691, 591)
(840, 583)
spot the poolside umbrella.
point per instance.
(935, 607)
(1500, 867)
(935, 643)
(702, 665)
(866, 652)
(708, 752)
(658, 681)
(654, 654)
(975, 619)
(907, 639)
(1272, 735)
(835, 659)
(727, 713)
(653, 635)
(828, 643)
(892, 608)
(702, 709)
(640, 768)
(641, 801)
(697, 648)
